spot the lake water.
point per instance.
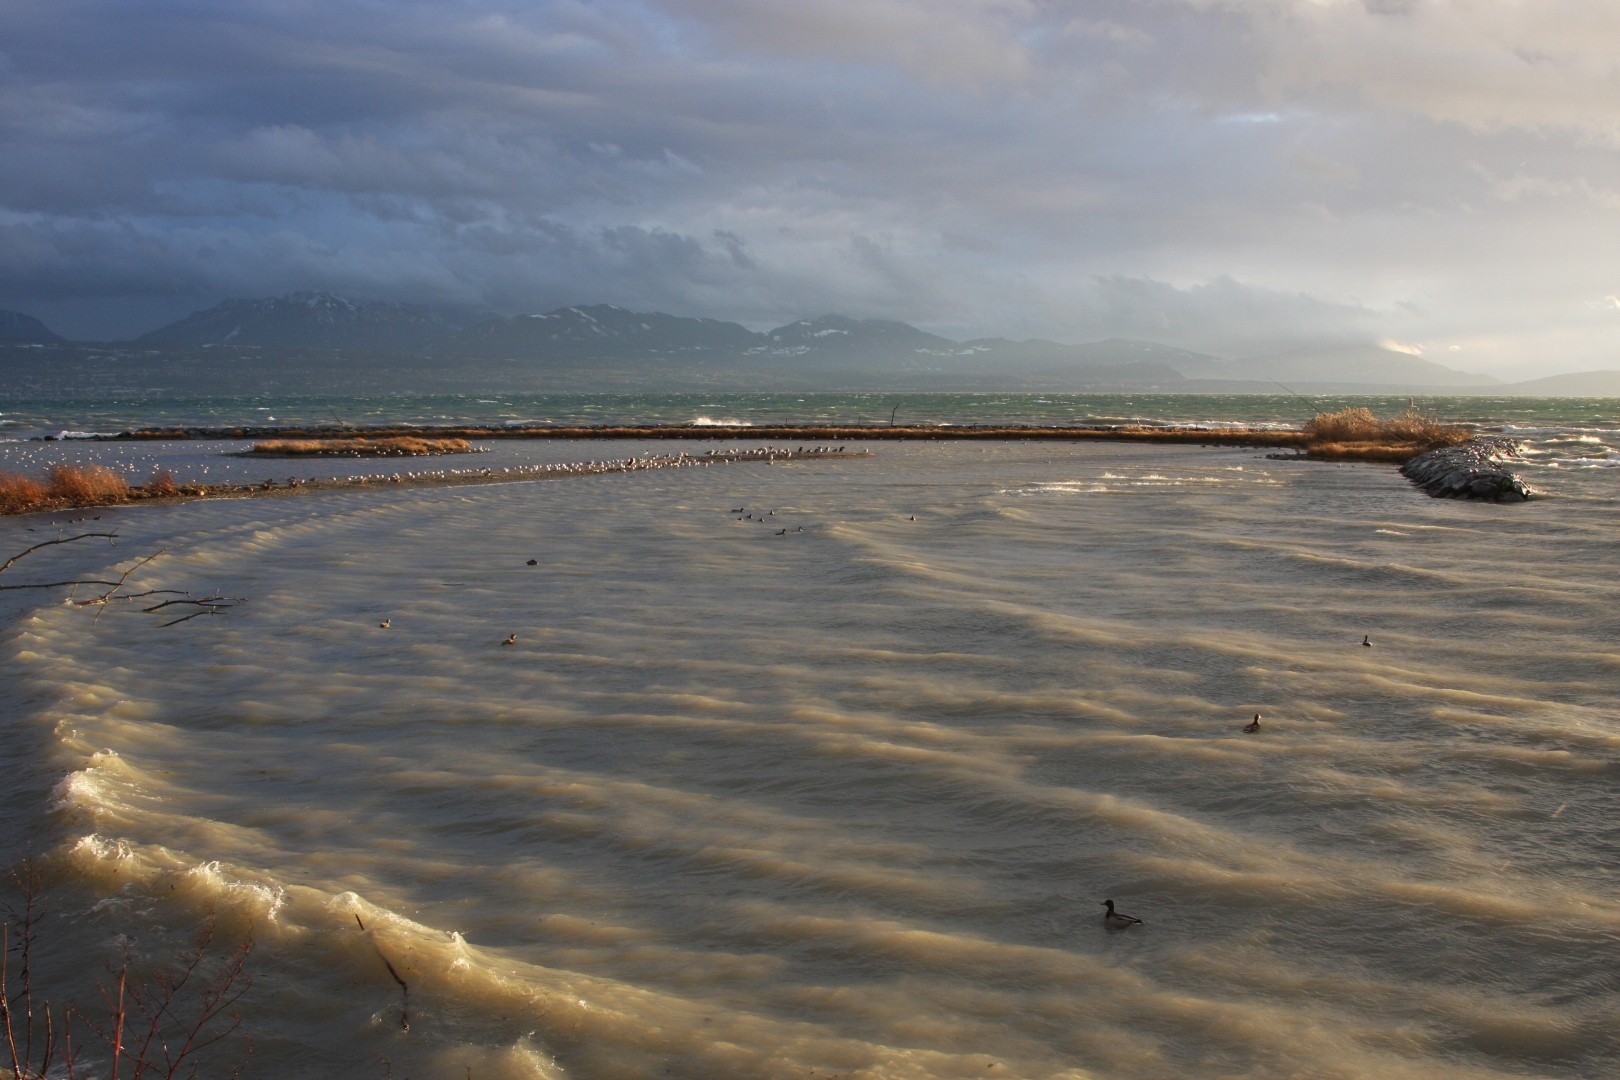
(822, 768)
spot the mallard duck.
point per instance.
(1253, 725)
(1118, 919)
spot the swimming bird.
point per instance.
(1253, 725)
(385, 624)
(512, 640)
(1118, 919)
(1366, 639)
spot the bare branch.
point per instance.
(110, 594)
(219, 600)
(405, 991)
(113, 590)
(7, 565)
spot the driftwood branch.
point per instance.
(112, 593)
(207, 605)
(9, 563)
(405, 991)
(113, 590)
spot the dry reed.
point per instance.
(1356, 432)
(395, 446)
(161, 484)
(85, 485)
(20, 494)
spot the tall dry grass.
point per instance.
(65, 486)
(1357, 433)
(393, 446)
(161, 483)
(20, 494)
(86, 485)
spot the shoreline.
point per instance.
(419, 478)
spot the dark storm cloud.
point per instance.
(1212, 173)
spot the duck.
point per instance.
(1118, 919)
(1366, 639)
(511, 640)
(385, 624)
(1253, 725)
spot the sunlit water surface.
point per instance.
(844, 800)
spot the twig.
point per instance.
(48, 543)
(405, 991)
(193, 615)
(209, 605)
(203, 600)
(119, 584)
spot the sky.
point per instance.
(1237, 177)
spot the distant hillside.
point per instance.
(15, 326)
(305, 319)
(602, 330)
(1576, 384)
(1348, 364)
(836, 337)
(604, 346)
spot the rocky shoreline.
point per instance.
(1473, 470)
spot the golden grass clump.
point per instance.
(86, 485)
(20, 494)
(161, 484)
(1357, 433)
(394, 446)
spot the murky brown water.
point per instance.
(844, 800)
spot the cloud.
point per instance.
(963, 42)
(1547, 67)
(1217, 174)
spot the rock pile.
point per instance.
(1471, 471)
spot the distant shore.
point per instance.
(1246, 437)
(1354, 434)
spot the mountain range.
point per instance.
(319, 340)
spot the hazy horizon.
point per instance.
(1234, 179)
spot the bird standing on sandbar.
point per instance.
(1253, 725)
(1118, 920)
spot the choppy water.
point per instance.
(844, 802)
(22, 417)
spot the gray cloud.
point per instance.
(1224, 175)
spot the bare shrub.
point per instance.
(158, 1023)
